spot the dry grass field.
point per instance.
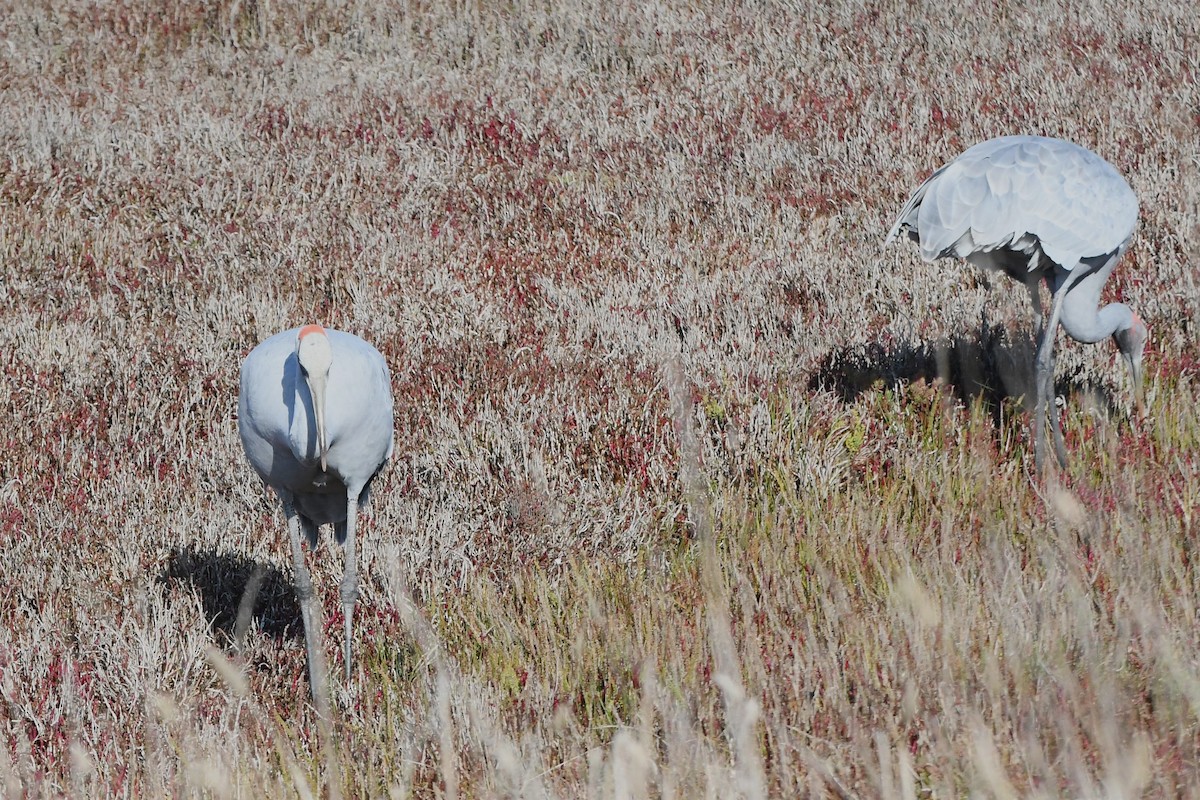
(698, 491)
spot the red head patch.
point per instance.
(307, 329)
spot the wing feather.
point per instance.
(1022, 192)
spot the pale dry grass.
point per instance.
(530, 210)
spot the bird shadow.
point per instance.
(990, 365)
(223, 580)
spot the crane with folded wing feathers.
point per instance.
(315, 418)
(1038, 210)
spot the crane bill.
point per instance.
(316, 388)
(315, 356)
(324, 445)
(322, 442)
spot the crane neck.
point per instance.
(1096, 325)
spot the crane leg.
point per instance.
(1033, 283)
(310, 610)
(1060, 447)
(349, 587)
(1043, 365)
(1045, 375)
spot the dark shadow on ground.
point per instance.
(222, 579)
(991, 365)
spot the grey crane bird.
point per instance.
(1037, 209)
(315, 418)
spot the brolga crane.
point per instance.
(315, 418)
(1038, 210)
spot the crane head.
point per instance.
(315, 357)
(1131, 341)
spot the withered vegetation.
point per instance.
(698, 491)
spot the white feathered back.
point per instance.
(1022, 193)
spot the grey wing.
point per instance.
(360, 399)
(1024, 193)
(263, 417)
(384, 379)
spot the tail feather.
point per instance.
(907, 219)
